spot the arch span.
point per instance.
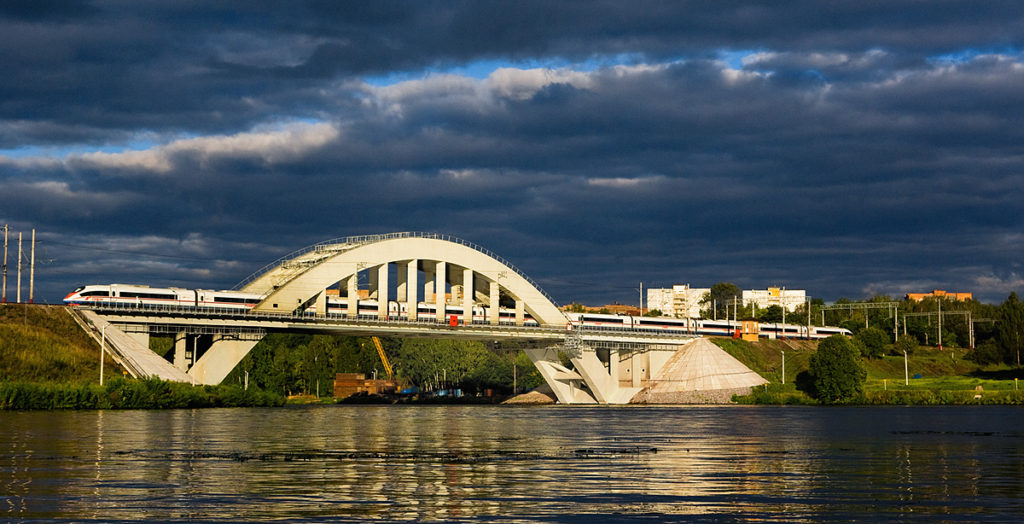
(437, 268)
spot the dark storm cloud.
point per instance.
(102, 68)
(857, 150)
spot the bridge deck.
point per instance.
(232, 319)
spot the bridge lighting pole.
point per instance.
(32, 270)
(19, 266)
(103, 348)
(906, 369)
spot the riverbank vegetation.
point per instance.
(48, 362)
(297, 364)
(126, 393)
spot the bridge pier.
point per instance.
(183, 351)
(353, 296)
(467, 296)
(382, 291)
(223, 354)
(440, 290)
(412, 290)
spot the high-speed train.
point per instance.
(122, 295)
(705, 327)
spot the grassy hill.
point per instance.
(942, 376)
(44, 344)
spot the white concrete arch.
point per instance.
(301, 280)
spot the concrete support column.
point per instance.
(440, 282)
(373, 283)
(428, 283)
(520, 312)
(353, 295)
(494, 316)
(382, 291)
(467, 296)
(400, 285)
(180, 347)
(412, 289)
(634, 368)
(613, 366)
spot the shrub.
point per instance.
(874, 341)
(836, 371)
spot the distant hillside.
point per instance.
(43, 343)
(765, 357)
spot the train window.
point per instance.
(236, 300)
(96, 294)
(132, 294)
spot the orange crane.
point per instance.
(383, 357)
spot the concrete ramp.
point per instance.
(138, 359)
(699, 373)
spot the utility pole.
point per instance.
(783, 367)
(641, 298)
(32, 270)
(940, 324)
(3, 298)
(19, 266)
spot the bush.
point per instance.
(874, 341)
(121, 393)
(906, 343)
(836, 371)
(988, 352)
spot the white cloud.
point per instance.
(285, 143)
(624, 182)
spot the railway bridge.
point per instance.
(413, 279)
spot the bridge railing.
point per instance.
(369, 239)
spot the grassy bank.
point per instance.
(943, 377)
(44, 344)
(48, 362)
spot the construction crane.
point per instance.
(383, 357)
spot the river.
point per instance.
(551, 463)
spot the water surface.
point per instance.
(552, 463)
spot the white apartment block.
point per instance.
(789, 299)
(679, 301)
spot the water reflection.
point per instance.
(453, 463)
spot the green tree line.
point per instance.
(306, 364)
(998, 329)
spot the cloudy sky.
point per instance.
(870, 147)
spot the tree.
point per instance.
(836, 370)
(874, 341)
(721, 293)
(771, 314)
(653, 313)
(906, 343)
(1011, 327)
